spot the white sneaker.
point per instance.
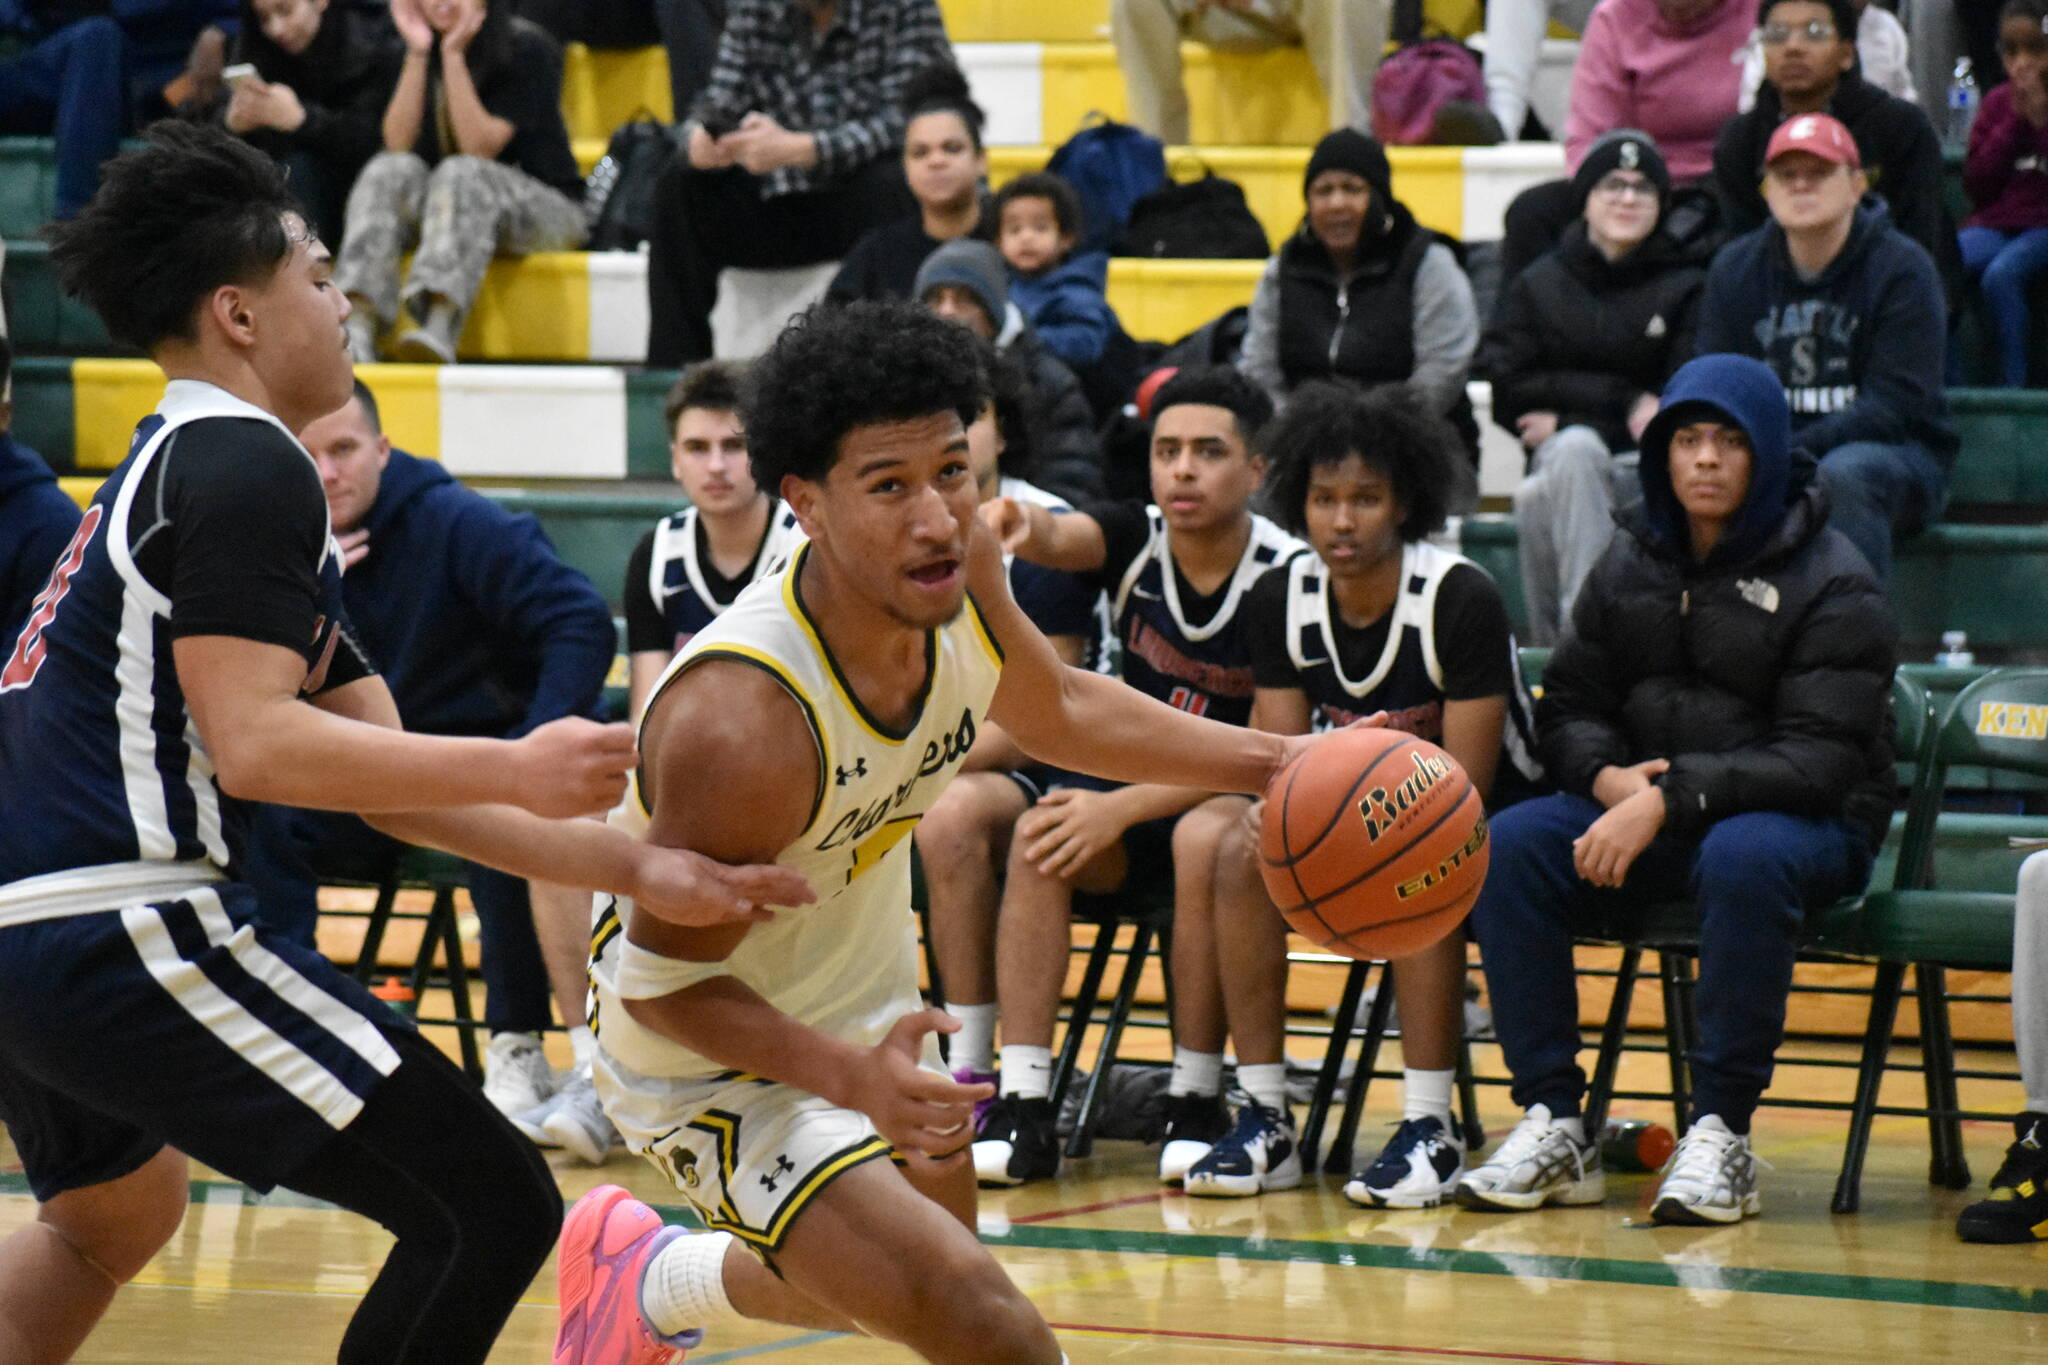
(533, 1122)
(1710, 1179)
(1419, 1168)
(578, 1122)
(1539, 1163)
(1257, 1154)
(517, 1076)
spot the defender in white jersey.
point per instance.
(770, 1070)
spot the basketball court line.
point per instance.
(1080, 1209)
(1440, 1352)
(1691, 1276)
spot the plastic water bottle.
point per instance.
(1635, 1145)
(1955, 650)
(1962, 105)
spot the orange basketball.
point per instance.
(1373, 843)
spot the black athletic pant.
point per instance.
(473, 1205)
(707, 220)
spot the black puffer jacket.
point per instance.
(1069, 453)
(1585, 337)
(1763, 674)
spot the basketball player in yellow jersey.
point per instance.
(786, 1080)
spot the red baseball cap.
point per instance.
(1820, 134)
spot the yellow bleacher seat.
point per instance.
(1237, 98)
(1165, 300)
(602, 89)
(80, 490)
(1025, 21)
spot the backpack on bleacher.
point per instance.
(1425, 75)
(619, 196)
(1206, 219)
(1111, 166)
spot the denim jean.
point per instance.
(1753, 878)
(1877, 492)
(69, 86)
(2004, 264)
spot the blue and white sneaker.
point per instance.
(1417, 1169)
(1258, 1154)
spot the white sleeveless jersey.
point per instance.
(846, 965)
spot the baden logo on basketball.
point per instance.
(1382, 810)
(1415, 886)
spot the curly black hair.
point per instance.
(193, 210)
(1220, 386)
(1420, 454)
(1066, 203)
(839, 367)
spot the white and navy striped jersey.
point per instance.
(1200, 663)
(214, 525)
(682, 586)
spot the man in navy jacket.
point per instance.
(1850, 316)
(482, 630)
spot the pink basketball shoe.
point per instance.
(607, 1241)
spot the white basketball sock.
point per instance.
(1027, 1071)
(1196, 1073)
(684, 1286)
(1265, 1082)
(1427, 1094)
(974, 1046)
(582, 1045)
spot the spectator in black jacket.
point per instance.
(1363, 292)
(967, 282)
(1849, 314)
(944, 165)
(790, 151)
(481, 630)
(1581, 347)
(1718, 724)
(1810, 67)
(324, 70)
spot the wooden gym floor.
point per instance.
(1136, 1276)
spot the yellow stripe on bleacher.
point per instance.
(1257, 98)
(1025, 21)
(534, 307)
(603, 89)
(80, 490)
(409, 400)
(108, 397)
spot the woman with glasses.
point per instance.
(1580, 349)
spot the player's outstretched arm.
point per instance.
(268, 745)
(673, 884)
(1058, 540)
(732, 772)
(1092, 723)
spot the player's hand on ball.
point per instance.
(573, 766)
(683, 887)
(916, 1109)
(1068, 829)
(1606, 851)
(1294, 746)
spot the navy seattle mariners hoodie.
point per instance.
(36, 522)
(1859, 348)
(477, 625)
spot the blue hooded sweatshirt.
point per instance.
(478, 626)
(1859, 349)
(36, 522)
(1725, 388)
(1067, 307)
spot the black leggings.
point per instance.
(473, 1205)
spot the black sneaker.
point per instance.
(1194, 1124)
(2016, 1210)
(1016, 1142)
